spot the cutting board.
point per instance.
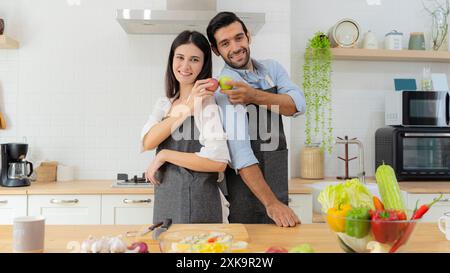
(238, 231)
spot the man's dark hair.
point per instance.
(222, 19)
(188, 37)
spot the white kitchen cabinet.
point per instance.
(436, 211)
(66, 209)
(302, 206)
(12, 206)
(127, 209)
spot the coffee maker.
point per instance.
(15, 171)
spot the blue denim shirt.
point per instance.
(234, 117)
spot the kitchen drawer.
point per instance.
(12, 206)
(127, 209)
(66, 209)
(436, 211)
(302, 206)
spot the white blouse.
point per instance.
(212, 137)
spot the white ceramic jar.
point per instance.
(393, 40)
(370, 41)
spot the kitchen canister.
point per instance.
(393, 40)
(65, 173)
(46, 172)
(312, 162)
(370, 41)
(416, 41)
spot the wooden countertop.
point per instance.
(83, 187)
(426, 237)
(88, 187)
(407, 186)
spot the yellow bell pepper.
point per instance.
(336, 217)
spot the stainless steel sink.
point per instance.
(318, 187)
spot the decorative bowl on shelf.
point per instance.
(371, 236)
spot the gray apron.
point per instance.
(184, 195)
(244, 206)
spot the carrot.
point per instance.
(377, 203)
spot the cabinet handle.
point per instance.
(3, 202)
(129, 201)
(56, 201)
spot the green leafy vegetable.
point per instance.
(351, 192)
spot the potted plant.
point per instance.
(439, 13)
(317, 90)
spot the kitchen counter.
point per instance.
(407, 186)
(426, 238)
(90, 187)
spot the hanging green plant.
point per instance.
(317, 90)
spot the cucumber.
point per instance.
(389, 189)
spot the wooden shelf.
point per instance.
(8, 42)
(358, 54)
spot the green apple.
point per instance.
(304, 248)
(223, 80)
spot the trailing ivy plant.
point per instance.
(317, 90)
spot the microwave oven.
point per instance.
(415, 153)
(417, 108)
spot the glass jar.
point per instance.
(312, 162)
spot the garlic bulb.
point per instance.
(86, 245)
(117, 245)
(101, 246)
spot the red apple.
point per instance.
(214, 86)
(276, 249)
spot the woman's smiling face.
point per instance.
(187, 63)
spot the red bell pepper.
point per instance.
(384, 229)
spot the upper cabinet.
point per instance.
(8, 42)
(358, 54)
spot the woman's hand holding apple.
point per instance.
(198, 93)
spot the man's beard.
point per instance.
(247, 59)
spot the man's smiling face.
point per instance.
(233, 46)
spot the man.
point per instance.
(257, 182)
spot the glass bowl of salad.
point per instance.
(189, 241)
(360, 230)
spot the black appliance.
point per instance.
(415, 153)
(16, 171)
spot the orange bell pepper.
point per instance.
(336, 217)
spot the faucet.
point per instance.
(362, 173)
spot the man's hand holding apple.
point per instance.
(241, 93)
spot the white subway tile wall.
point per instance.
(79, 89)
(358, 87)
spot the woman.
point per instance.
(191, 146)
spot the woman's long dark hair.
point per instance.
(187, 37)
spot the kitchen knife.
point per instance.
(165, 226)
(151, 228)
